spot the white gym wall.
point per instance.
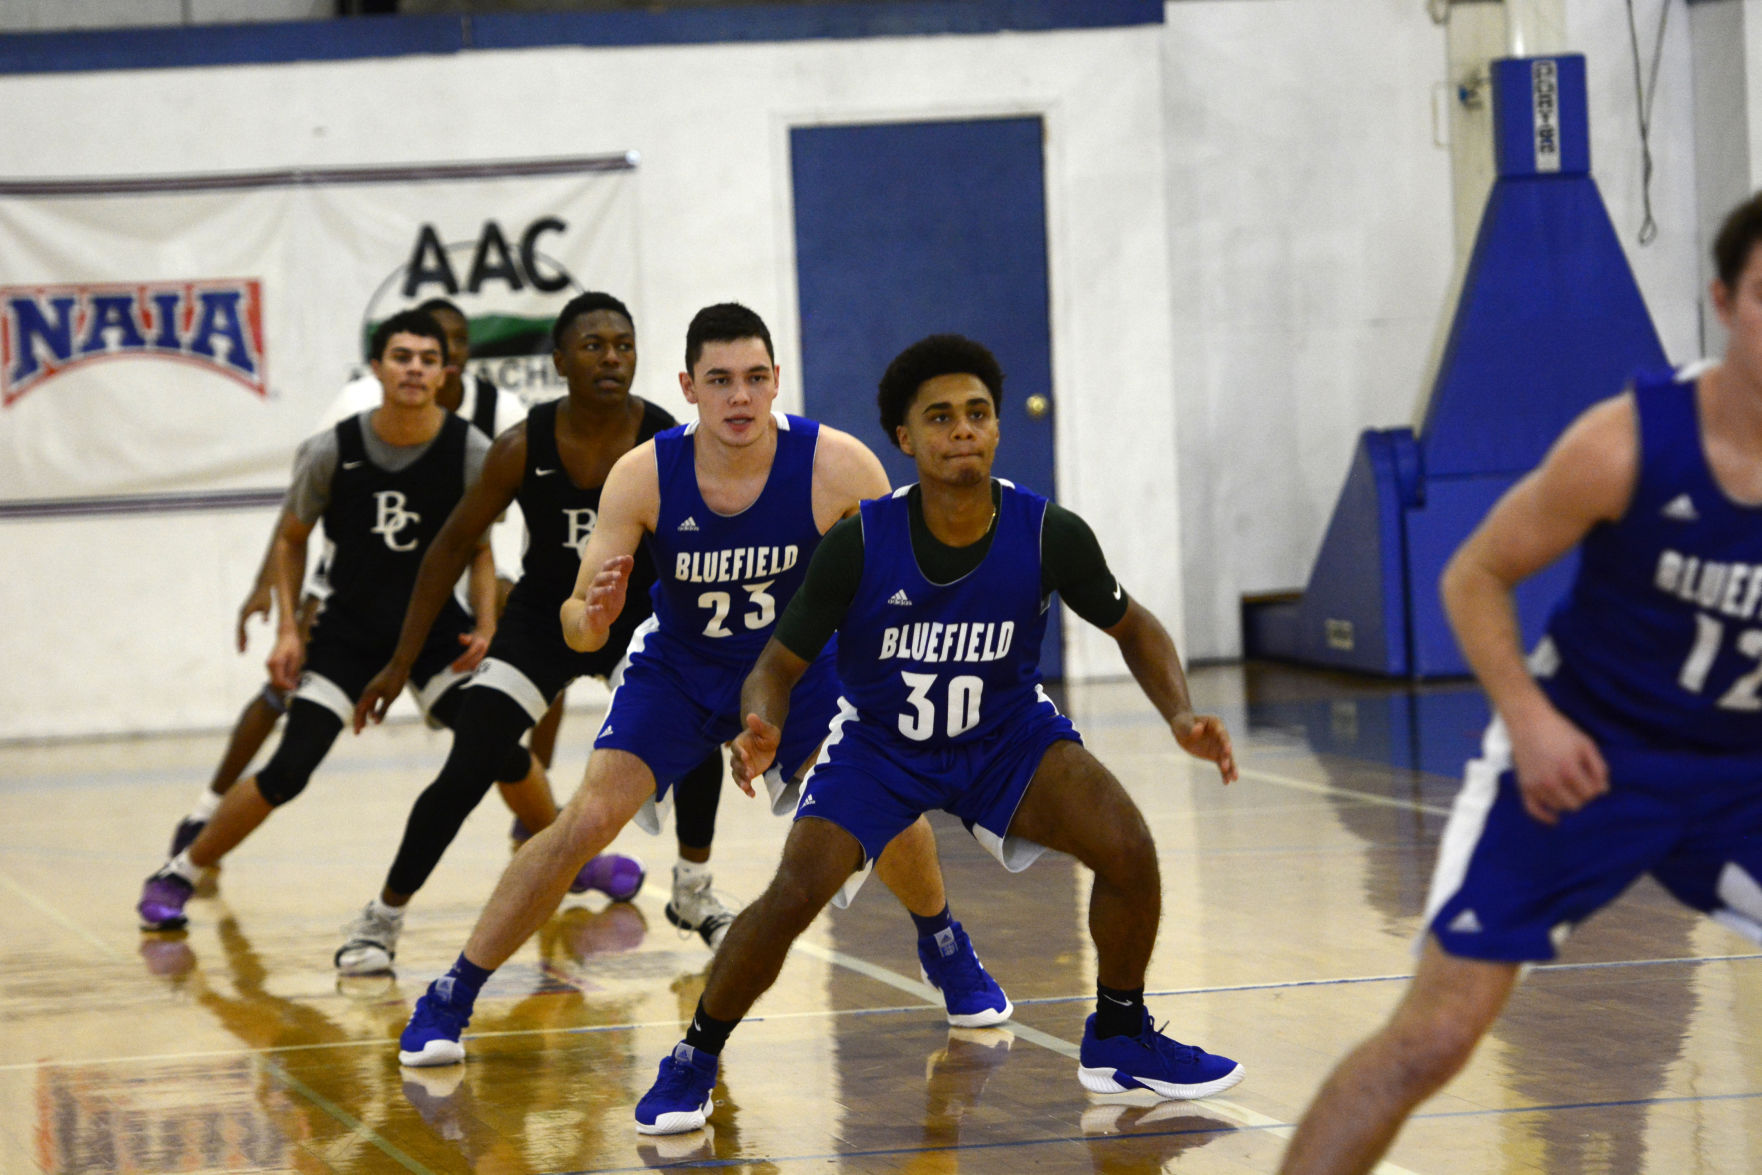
(129, 619)
(1250, 223)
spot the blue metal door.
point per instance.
(908, 229)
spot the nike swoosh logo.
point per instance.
(1121, 1003)
(543, 472)
(351, 464)
(1116, 589)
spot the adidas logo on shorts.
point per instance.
(688, 525)
(900, 597)
(1465, 923)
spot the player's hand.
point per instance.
(379, 695)
(605, 595)
(257, 603)
(476, 645)
(285, 660)
(752, 751)
(1559, 768)
(1204, 737)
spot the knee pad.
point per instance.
(279, 782)
(310, 731)
(515, 766)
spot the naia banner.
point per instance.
(180, 336)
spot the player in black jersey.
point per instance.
(489, 410)
(382, 481)
(553, 465)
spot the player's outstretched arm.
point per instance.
(764, 699)
(1586, 478)
(454, 547)
(288, 558)
(1155, 664)
(846, 473)
(629, 504)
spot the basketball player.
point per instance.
(1632, 740)
(938, 596)
(491, 411)
(382, 481)
(730, 506)
(554, 465)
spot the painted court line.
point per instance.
(62, 920)
(1234, 1111)
(1328, 789)
(926, 995)
(359, 1128)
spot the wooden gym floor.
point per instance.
(1290, 901)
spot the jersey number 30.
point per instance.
(1709, 634)
(961, 709)
(764, 609)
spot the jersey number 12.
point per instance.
(1709, 635)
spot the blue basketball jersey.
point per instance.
(942, 664)
(721, 581)
(1659, 641)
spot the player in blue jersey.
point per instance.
(1631, 743)
(730, 507)
(938, 595)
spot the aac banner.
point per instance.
(179, 337)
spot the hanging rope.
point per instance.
(1643, 96)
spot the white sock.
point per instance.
(205, 807)
(687, 874)
(185, 868)
(381, 910)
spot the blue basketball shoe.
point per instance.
(948, 963)
(1151, 1061)
(682, 1095)
(432, 1035)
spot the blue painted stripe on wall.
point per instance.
(176, 46)
(795, 22)
(166, 47)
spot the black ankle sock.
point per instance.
(708, 1034)
(1118, 1013)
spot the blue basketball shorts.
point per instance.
(873, 783)
(1508, 888)
(671, 706)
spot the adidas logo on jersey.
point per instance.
(1681, 509)
(689, 524)
(900, 597)
(807, 801)
(1465, 923)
